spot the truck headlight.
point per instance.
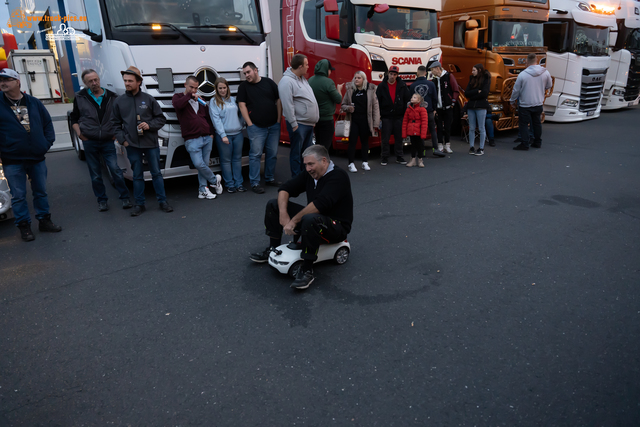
(375, 57)
(434, 58)
(570, 103)
(497, 107)
(618, 92)
(5, 201)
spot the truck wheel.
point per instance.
(76, 143)
(293, 271)
(342, 255)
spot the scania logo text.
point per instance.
(596, 79)
(406, 61)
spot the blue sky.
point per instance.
(4, 16)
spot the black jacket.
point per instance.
(427, 89)
(125, 110)
(448, 88)
(331, 196)
(16, 144)
(477, 97)
(393, 108)
(86, 113)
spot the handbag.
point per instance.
(343, 126)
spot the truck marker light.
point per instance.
(233, 29)
(156, 27)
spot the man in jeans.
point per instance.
(26, 134)
(259, 103)
(197, 132)
(137, 117)
(91, 121)
(393, 96)
(528, 92)
(300, 109)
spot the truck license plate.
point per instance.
(214, 161)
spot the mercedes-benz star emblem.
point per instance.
(206, 77)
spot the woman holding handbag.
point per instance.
(363, 112)
(225, 116)
(477, 92)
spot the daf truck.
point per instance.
(357, 35)
(577, 36)
(622, 85)
(499, 34)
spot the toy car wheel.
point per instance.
(293, 271)
(342, 255)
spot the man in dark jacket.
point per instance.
(91, 121)
(447, 93)
(327, 96)
(26, 134)
(137, 117)
(427, 90)
(393, 97)
(327, 217)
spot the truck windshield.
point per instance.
(590, 41)
(397, 23)
(633, 40)
(520, 34)
(200, 13)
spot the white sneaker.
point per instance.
(218, 184)
(206, 194)
(352, 167)
(440, 148)
(447, 148)
(365, 166)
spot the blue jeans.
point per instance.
(300, 140)
(200, 150)
(263, 139)
(477, 116)
(92, 151)
(153, 158)
(17, 178)
(231, 159)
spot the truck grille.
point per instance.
(633, 83)
(591, 88)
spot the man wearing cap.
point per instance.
(393, 97)
(91, 120)
(327, 97)
(137, 117)
(446, 95)
(26, 134)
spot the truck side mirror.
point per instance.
(332, 26)
(331, 6)
(471, 39)
(76, 8)
(613, 37)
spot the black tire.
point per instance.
(342, 255)
(293, 271)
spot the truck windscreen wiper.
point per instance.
(164, 24)
(228, 28)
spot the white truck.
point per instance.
(577, 37)
(622, 85)
(169, 41)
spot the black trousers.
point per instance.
(444, 118)
(315, 229)
(417, 146)
(359, 129)
(530, 116)
(392, 127)
(324, 131)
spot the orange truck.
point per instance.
(498, 34)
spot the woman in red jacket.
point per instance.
(415, 127)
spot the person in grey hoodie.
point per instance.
(528, 93)
(300, 109)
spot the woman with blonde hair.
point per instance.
(226, 119)
(361, 105)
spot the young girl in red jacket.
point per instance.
(415, 127)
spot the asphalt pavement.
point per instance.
(494, 290)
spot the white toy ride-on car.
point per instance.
(287, 260)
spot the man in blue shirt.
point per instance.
(91, 120)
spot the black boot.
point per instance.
(48, 226)
(25, 231)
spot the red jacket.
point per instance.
(415, 121)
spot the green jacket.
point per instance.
(325, 90)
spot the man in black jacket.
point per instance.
(137, 117)
(91, 121)
(427, 90)
(447, 93)
(327, 217)
(393, 97)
